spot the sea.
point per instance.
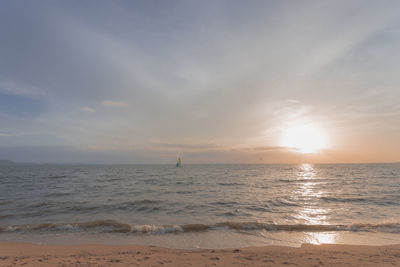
(201, 206)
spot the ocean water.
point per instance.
(201, 205)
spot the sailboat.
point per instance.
(179, 163)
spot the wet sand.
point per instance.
(21, 254)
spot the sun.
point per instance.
(305, 139)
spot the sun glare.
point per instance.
(305, 138)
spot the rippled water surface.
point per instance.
(258, 203)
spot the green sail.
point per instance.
(179, 163)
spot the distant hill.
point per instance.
(6, 162)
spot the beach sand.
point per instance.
(21, 254)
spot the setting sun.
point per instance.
(305, 138)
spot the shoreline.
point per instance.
(26, 254)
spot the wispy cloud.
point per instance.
(270, 148)
(115, 104)
(189, 146)
(17, 88)
(13, 134)
(87, 109)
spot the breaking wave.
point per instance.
(110, 226)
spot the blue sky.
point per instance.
(213, 81)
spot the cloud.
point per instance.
(88, 109)
(270, 148)
(115, 104)
(17, 88)
(189, 146)
(13, 134)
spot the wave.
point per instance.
(231, 184)
(83, 207)
(385, 201)
(383, 227)
(56, 176)
(283, 202)
(111, 226)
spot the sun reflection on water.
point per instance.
(311, 213)
(320, 238)
(306, 172)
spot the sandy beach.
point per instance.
(21, 254)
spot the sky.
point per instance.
(210, 81)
